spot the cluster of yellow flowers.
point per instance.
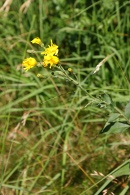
(50, 55)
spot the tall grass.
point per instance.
(54, 138)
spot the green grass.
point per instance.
(49, 127)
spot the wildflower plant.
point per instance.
(117, 122)
(51, 60)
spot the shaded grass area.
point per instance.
(50, 142)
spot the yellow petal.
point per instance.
(37, 40)
(29, 63)
(50, 60)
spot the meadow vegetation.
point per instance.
(65, 134)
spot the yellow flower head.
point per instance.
(50, 60)
(29, 63)
(51, 50)
(37, 40)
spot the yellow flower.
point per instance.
(29, 63)
(51, 50)
(50, 60)
(37, 40)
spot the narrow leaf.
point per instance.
(123, 169)
(113, 117)
(127, 110)
(115, 127)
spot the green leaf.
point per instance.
(123, 169)
(115, 127)
(113, 117)
(127, 110)
(107, 99)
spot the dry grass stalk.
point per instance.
(101, 63)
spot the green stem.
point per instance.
(74, 81)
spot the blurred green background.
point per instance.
(49, 128)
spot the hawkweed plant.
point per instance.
(118, 120)
(51, 60)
